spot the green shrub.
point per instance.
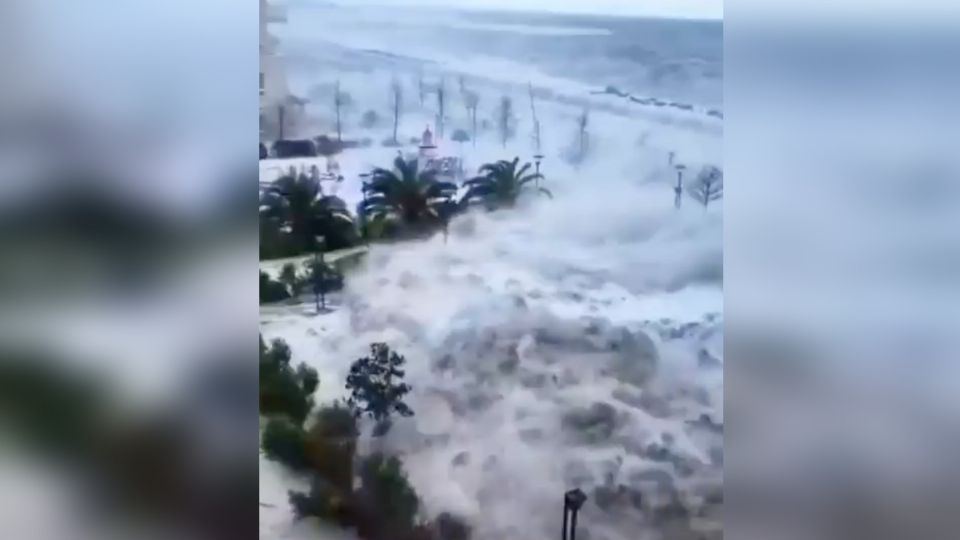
(326, 502)
(289, 277)
(370, 119)
(331, 445)
(450, 527)
(386, 496)
(284, 390)
(285, 441)
(376, 386)
(270, 290)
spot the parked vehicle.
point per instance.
(263, 151)
(294, 148)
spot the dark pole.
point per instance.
(364, 187)
(319, 274)
(316, 280)
(564, 536)
(323, 285)
(572, 501)
(538, 157)
(678, 189)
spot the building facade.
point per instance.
(280, 112)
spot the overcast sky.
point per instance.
(700, 9)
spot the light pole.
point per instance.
(319, 276)
(572, 501)
(364, 187)
(678, 189)
(538, 158)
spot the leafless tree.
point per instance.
(421, 88)
(583, 136)
(505, 119)
(396, 98)
(441, 104)
(341, 101)
(708, 186)
(536, 120)
(472, 100)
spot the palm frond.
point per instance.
(523, 170)
(529, 178)
(438, 189)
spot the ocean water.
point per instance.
(679, 60)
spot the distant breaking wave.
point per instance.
(655, 102)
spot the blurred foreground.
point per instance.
(127, 333)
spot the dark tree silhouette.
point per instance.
(501, 184)
(583, 136)
(289, 277)
(323, 279)
(376, 385)
(270, 290)
(472, 101)
(396, 102)
(283, 389)
(505, 119)
(370, 119)
(406, 194)
(341, 101)
(460, 136)
(708, 186)
(421, 88)
(441, 107)
(297, 204)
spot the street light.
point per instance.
(678, 189)
(319, 275)
(538, 158)
(364, 187)
(572, 501)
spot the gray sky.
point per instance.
(705, 9)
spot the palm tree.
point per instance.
(413, 197)
(501, 184)
(298, 202)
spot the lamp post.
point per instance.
(537, 158)
(319, 276)
(364, 187)
(572, 501)
(678, 189)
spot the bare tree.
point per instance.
(396, 98)
(421, 87)
(536, 121)
(341, 101)
(708, 186)
(505, 119)
(472, 100)
(583, 136)
(441, 106)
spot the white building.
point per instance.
(280, 112)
